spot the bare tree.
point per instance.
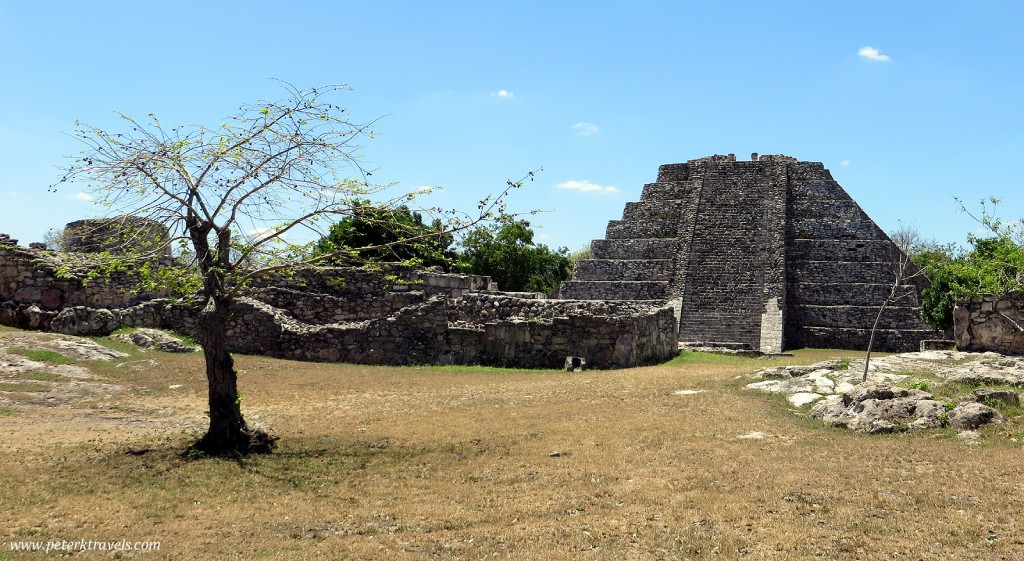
(904, 242)
(54, 239)
(230, 194)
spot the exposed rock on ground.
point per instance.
(896, 394)
(29, 381)
(76, 348)
(155, 339)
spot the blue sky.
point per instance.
(907, 103)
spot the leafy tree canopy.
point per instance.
(392, 233)
(505, 251)
(993, 265)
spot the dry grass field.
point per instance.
(473, 463)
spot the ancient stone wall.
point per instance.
(387, 316)
(44, 278)
(990, 324)
(766, 254)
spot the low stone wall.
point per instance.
(603, 341)
(990, 324)
(506, 332)
(388, 316)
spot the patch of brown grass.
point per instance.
(437, 463)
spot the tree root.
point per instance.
(247, 441)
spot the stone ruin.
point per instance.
(388, 316)
(115, 235)
(763, 255)
(990, 323)
(766, 255)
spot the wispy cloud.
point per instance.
(871, 53)
(260, 232)
(504, 94)
(587, 187)
(85, 197)
(844, 163)
(585, 129)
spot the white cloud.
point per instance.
(871, 53)
(260, 232)
(85, 197)
(503, 94)
(585, 129)
(844, 163)
(587, 187)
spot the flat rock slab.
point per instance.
(803, 398)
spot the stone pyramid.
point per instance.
(767, 254)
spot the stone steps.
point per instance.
(859, 317)
(834, 229)
(843, 250)
(816, 190)
(772, 249)
(653, 210)
(673, 172)
(853, 294)
(668, 190)
(809, 172)
(850, 272)
(831, 209)
(623, 269)
(613, 290)
(886, 340)
(633, 229)
(653, 248)
(718, 325)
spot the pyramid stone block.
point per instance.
(765, 254)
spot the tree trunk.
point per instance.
(228, 435)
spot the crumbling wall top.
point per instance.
(116, 235)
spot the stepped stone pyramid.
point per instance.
(767, 254)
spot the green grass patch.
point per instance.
(4, 412)
(916, 373)
(23, 387)
(187, 339)
(698, 357)
(921, 385)
(478, 369)
(42, 376)
(117, 345)
(42, 355)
